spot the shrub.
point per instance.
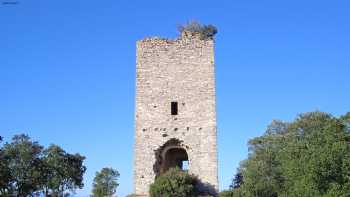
(226, 193)
(231, 193)
(174, 183)
(205, 31)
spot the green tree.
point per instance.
(231, 193)
(316, 160)
(237, 181)
(234, 190)
(261, 172)
(5, 174)
(346, 120)
(61, 171)
(105, 183)
(174, 183)
(307, 157)
(23, 158)
(26, 169)
(226, 193)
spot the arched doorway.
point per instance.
(172, 154)
(174, 157)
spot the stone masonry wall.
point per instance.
(180, 70)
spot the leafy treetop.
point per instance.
(105, 183)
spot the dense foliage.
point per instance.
(105, 183)
(231, 193)
(205, 31)
(174, 183)
(307, 157)
(26, 169)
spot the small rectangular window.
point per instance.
(173, 108)
(185, 165)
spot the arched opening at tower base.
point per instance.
(174, 157)
(174, 153)
(171, 155)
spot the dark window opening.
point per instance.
(174, 108)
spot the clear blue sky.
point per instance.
(67, 70)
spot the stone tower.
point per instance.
(175, 110)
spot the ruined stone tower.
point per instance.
(175, 110)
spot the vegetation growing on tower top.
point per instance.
(205, 31)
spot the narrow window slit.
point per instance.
(174, 108)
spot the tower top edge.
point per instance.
(184, 37)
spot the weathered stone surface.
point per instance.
(182, 71)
